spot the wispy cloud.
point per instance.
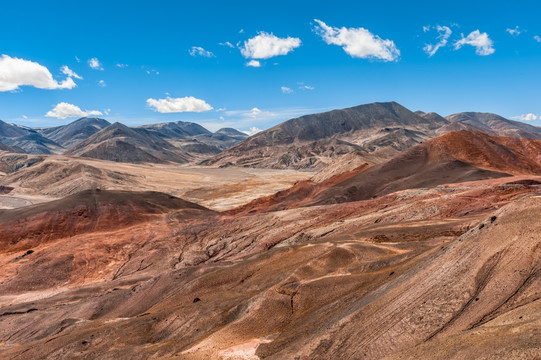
(227, 43)
(537, 38)
(358, 42)
(252, 131)
(286, 90)
(527, 117)
(102, 83)
(481, 41)
(67, 71)
(444, 32)
(514, 32)
(256, 117)
(199, 51)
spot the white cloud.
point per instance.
(25, 117)
(152, 71)
(102, 83)
(358, 42)
(286, 90)
(482, 43)
(199, 51)
(253, 63)
(426, 28)
(513, 32)
(537, 38)
(122, 66)
(252, 131)
(67, 71)
(15, 72)
(227, 43)
(77, 59)
(107, 111)
(178, 105)
(95, 64)
(265, 45)
(444, 32)
(254, 112)
(261, 118)
(64, 110)
(527, 117)
(241, 31)
(306, 87)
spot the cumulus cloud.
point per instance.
(95, 64)
(513, 32)
(265, 45)
(286, 90)
(444, 32)
(15, 72)
(65, 110)
(358, 42)
(253, 63)
(482, 43)
(537, 38)
(67, 71)
(199, 51)
(102, 83)
(178, 105)
(527, 117)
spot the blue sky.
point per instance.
(169, 60)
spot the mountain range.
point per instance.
(376, 132)
(178, 142)
(373, 132)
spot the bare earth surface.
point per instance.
(410, 274)
(58, 176)
(435, 254)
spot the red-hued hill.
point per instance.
(86, 211)
(451, 158)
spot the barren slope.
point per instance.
(355, 280)
(119, 143)
(379, 130)
(450, 158)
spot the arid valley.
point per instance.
(284, 180)
(422, 242)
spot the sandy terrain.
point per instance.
(219, 189)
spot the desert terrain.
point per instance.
(398, 240)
